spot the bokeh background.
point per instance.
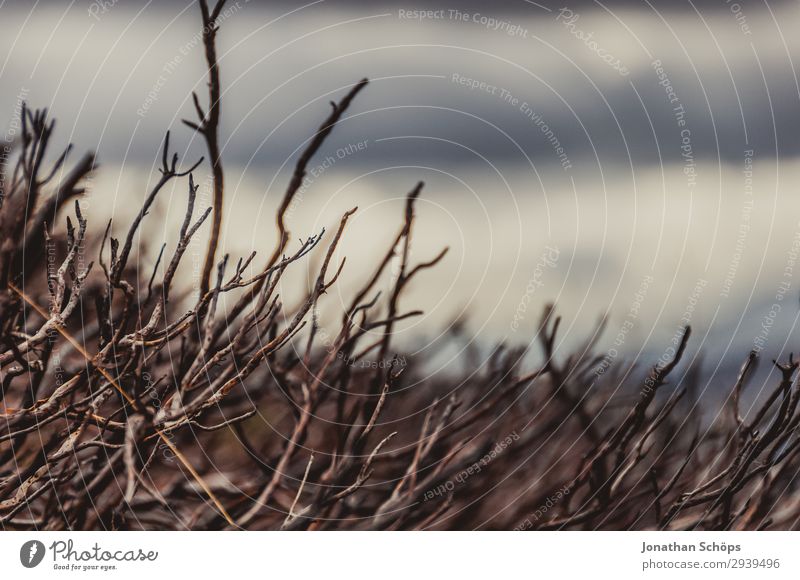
(631, 159)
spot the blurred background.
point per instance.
(631, 159)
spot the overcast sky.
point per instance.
(732, 70)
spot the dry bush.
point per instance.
(122, 410)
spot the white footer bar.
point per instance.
(347, 555)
